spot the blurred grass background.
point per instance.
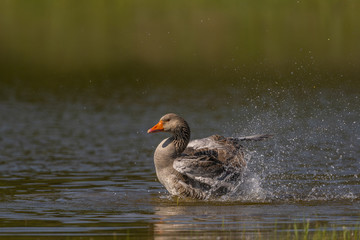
(52, 44)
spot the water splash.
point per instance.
(314, 154)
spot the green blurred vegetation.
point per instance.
(47, 43)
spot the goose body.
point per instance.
(199, 169)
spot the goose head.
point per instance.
(169, 123)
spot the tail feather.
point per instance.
(257, 137)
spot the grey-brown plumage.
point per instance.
(202, 168)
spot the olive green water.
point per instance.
(81, 82)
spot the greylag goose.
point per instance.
(199, 169)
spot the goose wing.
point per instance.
(215, 158)
(210, 160)
(229, 151)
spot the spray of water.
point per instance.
(314, 155)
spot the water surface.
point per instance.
(84, 166)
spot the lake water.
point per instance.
(83, 166)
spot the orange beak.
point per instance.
(157, 128)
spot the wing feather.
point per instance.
(213, 159)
